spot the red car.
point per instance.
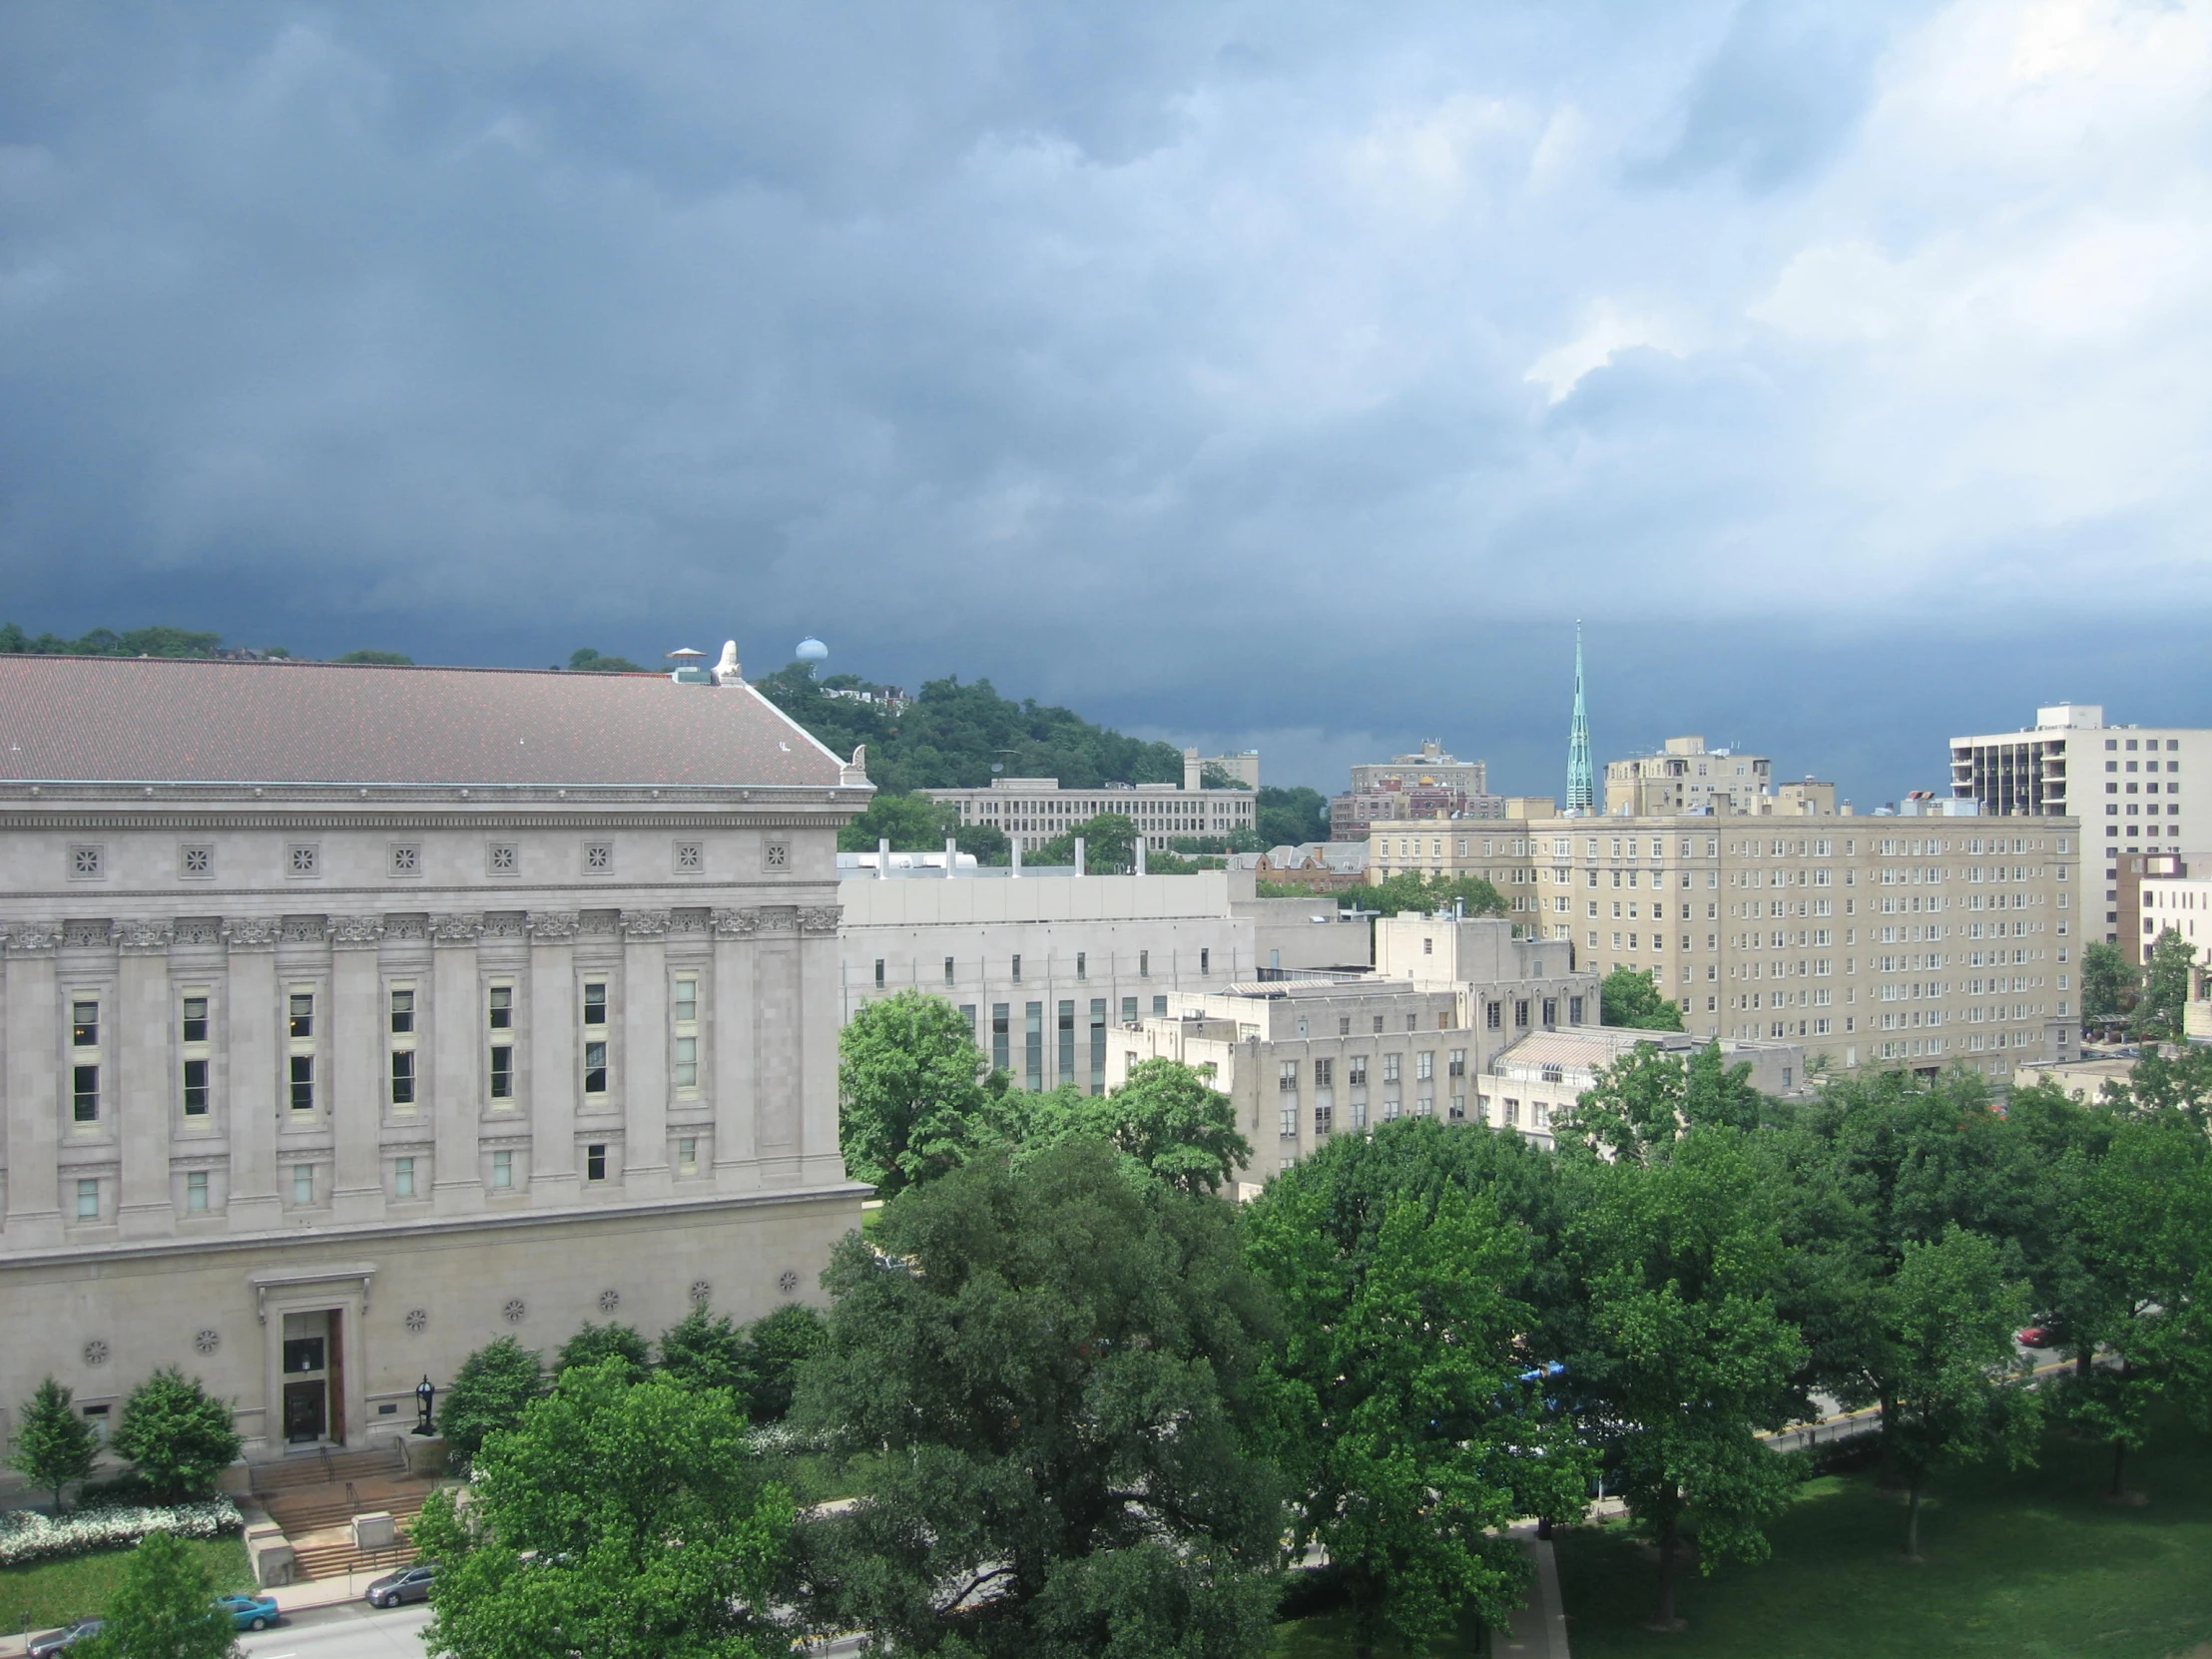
(2038, 1336)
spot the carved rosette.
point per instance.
(553, 926)
(356, 932)
(645, 924)
(819, 919)
(251, 933)
(143, 935)
(456, 929)
(737, 924)
(34, 938)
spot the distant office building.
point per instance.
(1431, 769)
(1352, 815)
(1244, 768)
(2071, 762)
(1033, 811)
(1686, 777)
(1307, 1059)
(2165, 889)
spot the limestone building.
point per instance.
(1429, 768)
(1686, 777)
(352, 1017)
(1033, 811)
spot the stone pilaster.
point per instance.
(143, 1095)
(357, 1067)
(254, 1017)
(555, 1061)
(455, 1065)
(820, 1159)
(35, 1101)
(737, 1050)
(645, 1054)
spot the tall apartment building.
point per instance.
(1686, 777)
(1243, 766)
(1873, 941)
(1431, 769)
(1033, 811)
(2072, 763)
(354, 1017)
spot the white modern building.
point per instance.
(1033, 811)
(2131, 786)
(351, 1017)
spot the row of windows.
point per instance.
(1082, 966)
(196, 861)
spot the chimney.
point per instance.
(883, 859)
(1192, 771)
(1079, 869)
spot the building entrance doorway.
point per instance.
(314, 1385)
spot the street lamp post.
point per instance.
(425, 1398)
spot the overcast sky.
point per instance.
(1288, 375)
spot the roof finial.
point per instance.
(726, 671)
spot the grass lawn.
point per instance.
(59, 1593)
(1329, 1636)
(2030, 1564)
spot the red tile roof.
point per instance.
(165, 720)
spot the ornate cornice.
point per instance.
(356, 932)
(645, 924)
(306, 929)
(456, 929)
(143, 936)
(553, 926)
(819, 919)
(197, 930)
(736, 924)
(92, 932)
(251, 933)
(778, 918)
(504, 924)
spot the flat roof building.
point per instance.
(1033, 811)
(1428, 768)
(356, 1017)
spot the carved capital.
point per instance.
(554, 926)
(456, 929)
(356, 932)
(143, 935)
(737, 924)
(645, 924)
(819, 919)
(251, 933)
(34, 938)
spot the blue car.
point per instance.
(249, 1612)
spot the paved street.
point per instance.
(350, 1630)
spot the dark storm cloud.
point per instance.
(1291, 375)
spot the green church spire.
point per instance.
(1581, 783)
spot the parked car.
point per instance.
(249, 1613)
(407, 1584)
(54, 1642)
(2038, 1336)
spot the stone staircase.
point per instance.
(314, 1500)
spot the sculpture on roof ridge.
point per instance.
(726, 671)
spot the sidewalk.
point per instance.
(1540, 1629)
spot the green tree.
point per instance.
(987, 843)
(914, 1083)
(621, 1517)
(164, 1608)
(1213, 776)
(593, 1344)
(2165, 987)
(53, 1444)
(1646, 1098)
(585, 660)
(2182, 1082)
(176, 1434)
(491, 1391)
(911, 822)
(1410, 1438)
(1109, 846)
(776, 1347)
(1410, 890)
(1289, 818)
(393, 659)
(106, 641)
(2109, 984)
(1678, 1351)
(1172, 1123)
(1060, 1365)
(707, 1350)
(1948, 1317)
(1626, 997)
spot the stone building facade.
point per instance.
(353, 1017)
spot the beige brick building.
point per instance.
(353, 1017)
(1033, 811)
(1871, 940)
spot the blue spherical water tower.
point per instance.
(812, 649)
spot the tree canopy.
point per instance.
(1412, 890)
(164, 1609)
(2165, 987)
(491, 1391)
(1626, 997)
(918, 1093)
(1058, 1366)
(176, 1434)
(54, 1446)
